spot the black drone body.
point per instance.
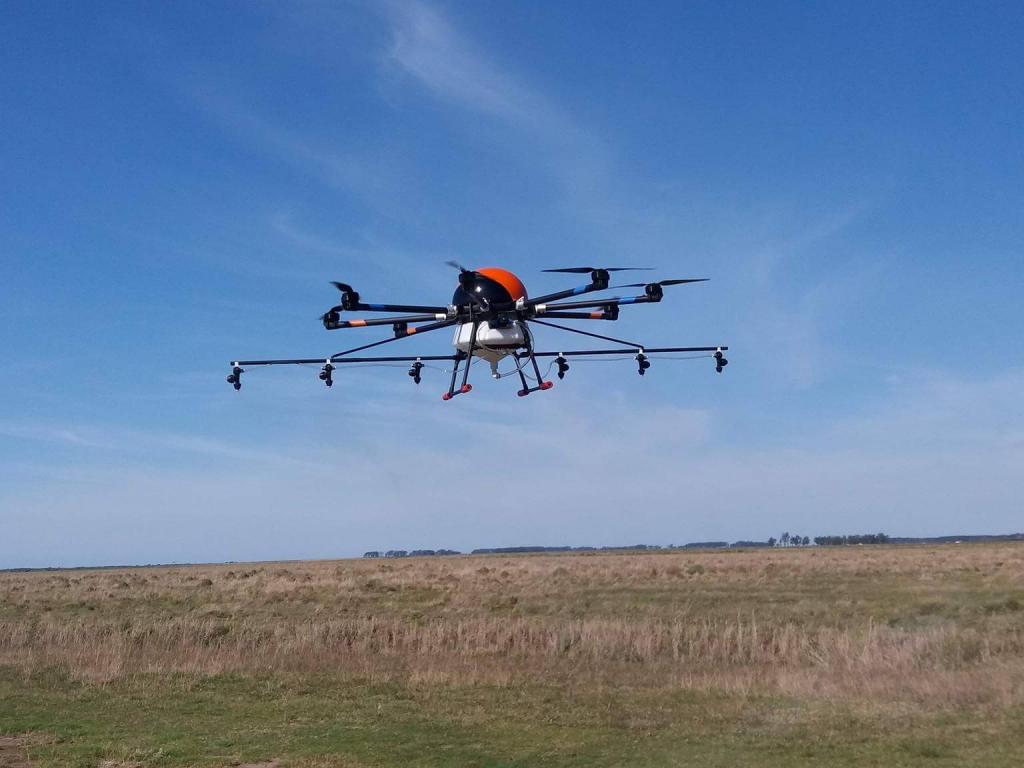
(491, 312)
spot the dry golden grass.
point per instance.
(935, 626)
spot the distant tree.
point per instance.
(807, 541)
(785, 539)
(371, 553)
(772, 541)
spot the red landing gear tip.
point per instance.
(466, 388)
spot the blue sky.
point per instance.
(180, 181)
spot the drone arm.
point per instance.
(402, 333)
(579, 291)
(333, 325)
(430, 327)
(613, 301)
(320, 360)
(603, 315)
(360, 307)
(630, 351)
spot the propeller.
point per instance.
(663, 283)
(466, 278)
(349, 299)
(332, 313)
(585, 270)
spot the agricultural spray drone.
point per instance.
(492, 314)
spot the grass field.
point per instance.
(888, 656)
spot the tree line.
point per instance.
(785, 539)
(413, 553)
(788, 539)
(847, 540)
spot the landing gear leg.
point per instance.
(466, 386)
(522, 377)
(459, 357)
(541, 384)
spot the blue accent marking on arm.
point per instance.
(581, 289)
(376, 307)
(628, 300)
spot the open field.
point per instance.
(858, 656)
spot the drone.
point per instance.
(492, 314)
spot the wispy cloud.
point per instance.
(792, 289)
(332, 166)
(101, 443)
(384, 264)
(943, 412)
(52, 434)
(427, 46)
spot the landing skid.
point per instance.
(541, 384)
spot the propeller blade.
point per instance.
(456, 265)
(343, 287)
(585, 270)
(687, 280)
(664, 282)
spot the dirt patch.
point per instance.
(271, 764)
(12, 752)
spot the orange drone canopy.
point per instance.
(508, 281)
